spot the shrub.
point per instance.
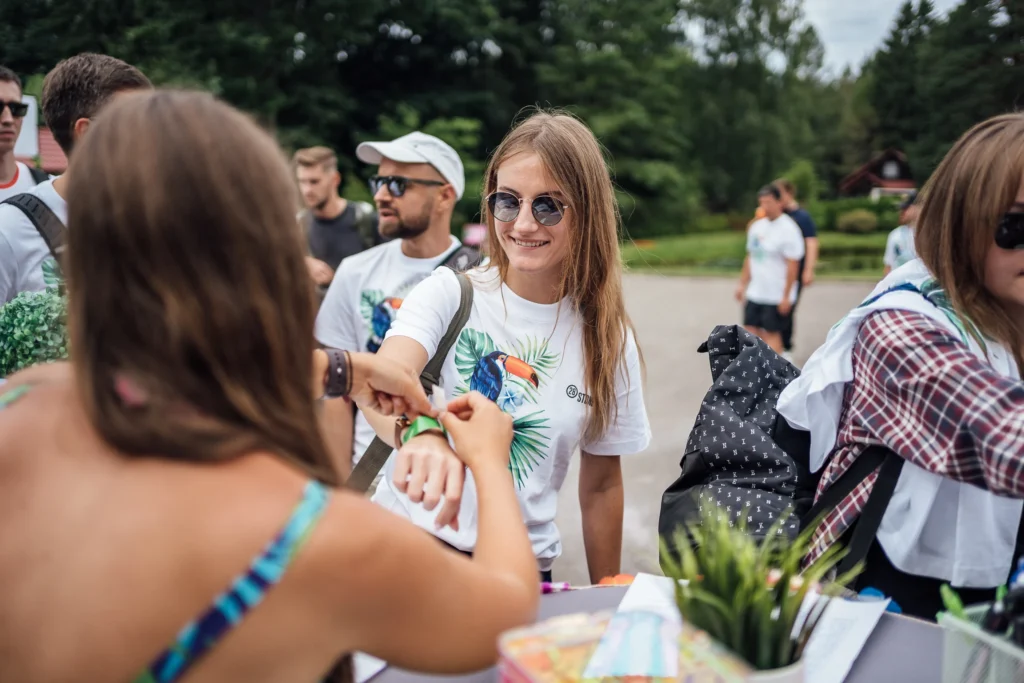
(32, 331)
(858, 221)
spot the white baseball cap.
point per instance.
(418, 148)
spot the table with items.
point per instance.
(898, 649)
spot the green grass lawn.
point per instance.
(842, 255)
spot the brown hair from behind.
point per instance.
(592, 273)
(976, 183)
(78, 87)
(186, 277)
(324, 157)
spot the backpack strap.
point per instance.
(50, 228)
(38, 174)
(889, 466)
(462, 259)
(377, 454)
(365, 225)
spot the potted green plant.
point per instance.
(32, 330)
(749, 596)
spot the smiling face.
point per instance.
(1004, 268)
(532, 248)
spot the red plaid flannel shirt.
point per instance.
(919, 390)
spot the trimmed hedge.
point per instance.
(826, 214)
(858, 222)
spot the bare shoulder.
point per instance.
(358, 553)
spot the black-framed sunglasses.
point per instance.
(1010, 232)
(397, 184)
(18, 109)
(504, 206)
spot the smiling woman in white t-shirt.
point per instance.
(548, 340)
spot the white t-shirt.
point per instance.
(22, 182)
(527, 357)
(770, 245)
(899, 247)
(361, 302)
(25, 260)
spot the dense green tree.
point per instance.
(896, 76)
(964, 80)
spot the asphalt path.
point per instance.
(673, 315)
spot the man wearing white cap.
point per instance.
(418, 182)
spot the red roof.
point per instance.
(865, 173)
(50, 153)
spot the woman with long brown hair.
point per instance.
(548, 340)
(929, 368)
(166, 505)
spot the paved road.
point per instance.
(673, 315)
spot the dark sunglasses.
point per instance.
(1010, 232)
(18, 109)
(397, 184)
(504, 206)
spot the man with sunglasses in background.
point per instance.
(15, 177)
(33, 223)
(419, 180)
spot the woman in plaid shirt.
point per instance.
(929, 367)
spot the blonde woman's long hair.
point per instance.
(592, 272)
(976, 183)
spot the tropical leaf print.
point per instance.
(529, 446)
(52, 277)
(368, 300)
(534, 352)
(472, 346)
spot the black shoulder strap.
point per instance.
(889, 466)
(462, 259)
(38, 174)
(50, 228)
(378, 453)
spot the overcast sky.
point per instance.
(852, 29)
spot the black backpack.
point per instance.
(743, 458)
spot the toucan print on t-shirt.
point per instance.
(512, 378)
(379, 310)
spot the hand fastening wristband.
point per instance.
(420, 425)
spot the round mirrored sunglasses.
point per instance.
(505, 206)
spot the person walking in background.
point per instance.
(805, 272)
(335, 227)
(172, 483)
(899, 247)
(73, 93)
(15, 177)
(419, 180)
(768, 283)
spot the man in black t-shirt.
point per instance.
(335, 228)
(805, 274)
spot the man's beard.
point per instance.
(406, 229)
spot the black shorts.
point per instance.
(764, 316)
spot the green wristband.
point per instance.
(421, 424)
